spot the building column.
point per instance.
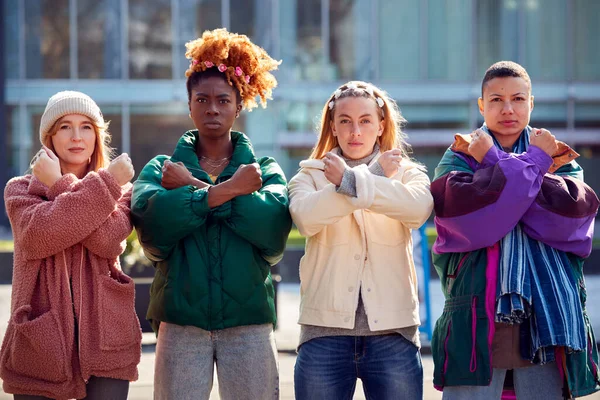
(3, 135)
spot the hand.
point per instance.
(247, 179)
(390, 162)
(46, 167)
(480, 145)
(175, 175)
(121, 169)
(543, 139)
(334, 168)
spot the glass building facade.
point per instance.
(430, 55)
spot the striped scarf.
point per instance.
(537, 289)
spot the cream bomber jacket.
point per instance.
(359, 245)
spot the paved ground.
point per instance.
(287, 336)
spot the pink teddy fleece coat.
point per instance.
(73, 309)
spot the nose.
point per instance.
(212, 109)
(355, 129)
(76, 136)
(507, 108)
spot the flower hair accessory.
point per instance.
(237, 71)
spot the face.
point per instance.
(74, 141)
(506, 107)
(356, 126)
(213, 106)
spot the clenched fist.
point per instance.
(543, 139)
(46, 167)
(480, 144)
(247, 179)
(121, 169)
(334, 168)
(390, 162)
(175, 175)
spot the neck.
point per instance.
(78, 170)
(507, 142)
(214, 148)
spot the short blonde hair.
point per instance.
(392, 136)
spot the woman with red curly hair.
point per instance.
(213, 218)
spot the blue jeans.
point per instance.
(538, 382)
(389, 367)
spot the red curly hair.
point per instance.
(246, 66)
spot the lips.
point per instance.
(212, 124)
(76, 149)
(354, 144)
(508, 122)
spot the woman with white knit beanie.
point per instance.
(73, 331)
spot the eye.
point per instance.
(224, 101)
(495, 99)
(366, 121)
(344, 121)
(520, 98)
(87, 127)
(65, 126)
(201, 100)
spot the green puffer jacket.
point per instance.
(212, 265)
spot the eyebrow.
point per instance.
(347, 116)
(500, 95)
(207, 95)
(62, 121)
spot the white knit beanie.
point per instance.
(65, 103)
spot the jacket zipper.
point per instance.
(69, 282)
(445, 369)
(473, 363)
(80, 307)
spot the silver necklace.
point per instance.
(214, 164)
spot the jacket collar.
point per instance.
(318, 164)
(185, 151)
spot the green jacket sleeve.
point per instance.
(263, 218)
(163, 217)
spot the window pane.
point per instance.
(549, 115)
(10, 129)
(99, 39)
(587, 45)
(47, 39)
(449, 40)
(300, 39)
(11, 38)
(541, 60)
(112, 113)
(587, 115)
(195, 17)
(150, 39)
(399, 40)
(439, 116)
(253, 18)
(155, 130)
(497, 32)
(349, 39)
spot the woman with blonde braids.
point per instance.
(356, 199)
(213, 218)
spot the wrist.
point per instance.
(229, 188)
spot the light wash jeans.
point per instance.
(389, 367)
(245, 356)
(539, 382)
